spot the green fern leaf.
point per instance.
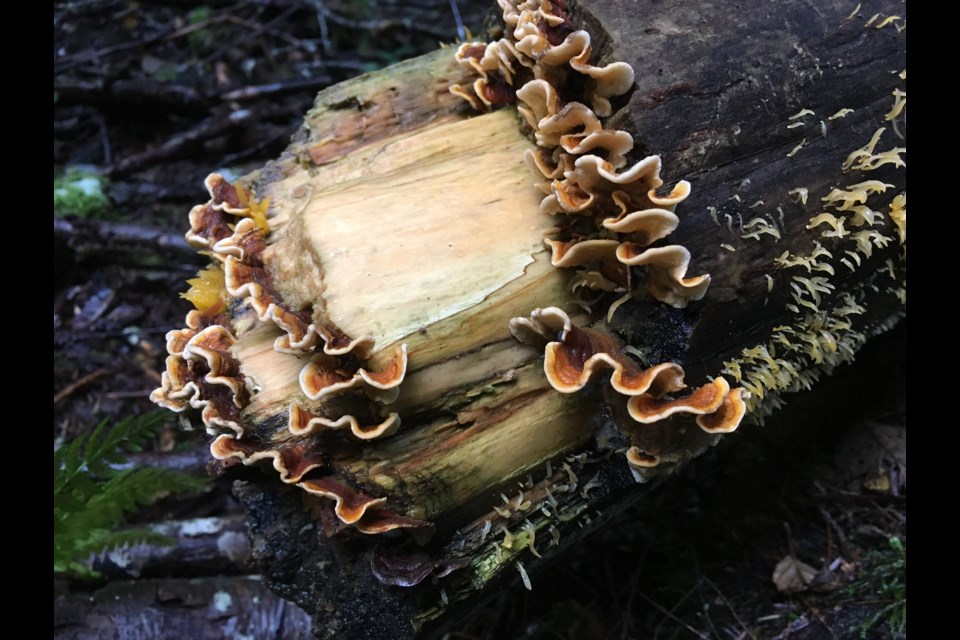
(91, 496)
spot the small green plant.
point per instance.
(91, 496)
(201, 40)
(80, 192)
(890, 579)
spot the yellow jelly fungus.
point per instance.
(257, 211)
(207, 290)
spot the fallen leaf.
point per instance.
(792, 576)
(879, 483)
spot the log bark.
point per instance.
(760, 108)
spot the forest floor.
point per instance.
(150, 97)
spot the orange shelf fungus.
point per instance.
(574, 356)
(292, 460)
(298, 347)
(303, 422)
(363, 512)
(608, 212)
(325, 376)
(641, 460)
(204, 372)
(647, 408)
(535, 58)
(728, 416)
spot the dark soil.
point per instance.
(153, 96)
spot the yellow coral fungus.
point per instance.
(836, 231)
(899, 102)
(898, 213)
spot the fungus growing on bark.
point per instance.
(303, 422)
(325, 376)
(316, 327)
(404, 350)
(574, 356)
(536, 58)
(641, 461)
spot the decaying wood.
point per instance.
(404, 216)
(201, 608)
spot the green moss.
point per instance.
(80, 192)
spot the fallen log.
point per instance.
(459, 374)
(202, 608)
(198, 547)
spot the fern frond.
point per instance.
(93, 453)
(131, 489)
(100, 542)
(92, 496)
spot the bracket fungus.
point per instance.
(202, 371)
(280, 354)
(580, 354)
(296, 362)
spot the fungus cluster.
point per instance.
(821, 332)
(203, 372)
(574, 355)
(608, 212)
(279, 354)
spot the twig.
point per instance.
(461, 32)
(790, 545)
(87, 55)
(706, 605)
(76, 384)
(243, 154)
(676, 605)
(857, 497)
(169, 34)
(841, 536)
(713, 586)
(86, 6)
(259, 28)
(820, 618)
(104, 137)
(193, 460)
(260, 90)
(378, 26)
(208, 128)
(97, 335)
(150, 372)
(324, 28)
(98, 235)
(120, 395)
(158, 94)
(659, 608)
